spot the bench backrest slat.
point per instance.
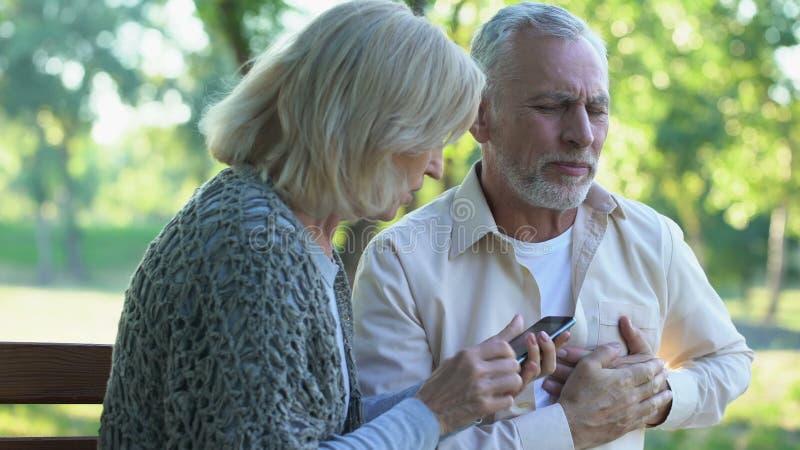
(51, 373)
(59, 443)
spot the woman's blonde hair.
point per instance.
(323, 117)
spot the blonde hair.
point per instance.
(323, 117)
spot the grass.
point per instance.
(726, 436)
(773, 398)
(59, 314)
(49, 420)
(110, 254)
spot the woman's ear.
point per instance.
(480, 128)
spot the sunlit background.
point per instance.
(99, 102)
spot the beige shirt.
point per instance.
(443, 278)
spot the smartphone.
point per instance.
(552, 325)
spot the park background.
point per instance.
(99, 103)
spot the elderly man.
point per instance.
(528, 231)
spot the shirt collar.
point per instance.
(472, 218)
(599, 199)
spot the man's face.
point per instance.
(547, 120)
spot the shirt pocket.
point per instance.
(644, 317)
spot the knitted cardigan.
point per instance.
(226, 338)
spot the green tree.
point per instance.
(755, 174)
(247, 26)
(61, 65)
(50, 55)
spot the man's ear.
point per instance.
(480, 128)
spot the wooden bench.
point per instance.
(52, 373)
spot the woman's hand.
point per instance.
(484, 379)
(541, 360)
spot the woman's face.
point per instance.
(413, 167)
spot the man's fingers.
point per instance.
(552, 387)
(644, 391)
(651, 407)
(628, 360)
(645, 372)
(562, 372)
(659, 382)
(633, 337)
(570, 355)
(603, 356)
(561, 339)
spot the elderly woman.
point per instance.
(236, 327)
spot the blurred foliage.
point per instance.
(704, 111)
(52, 56)
(247, 26)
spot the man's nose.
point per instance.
(577, 128)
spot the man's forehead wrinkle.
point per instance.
(553, 95)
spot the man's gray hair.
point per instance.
(490, 46)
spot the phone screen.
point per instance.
(552, 325)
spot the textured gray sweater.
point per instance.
(226, 339)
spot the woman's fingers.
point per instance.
(548, 354)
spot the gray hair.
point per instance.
(323, 117)
(490, 46)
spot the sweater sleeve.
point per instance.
(407, 425)
(379, 404)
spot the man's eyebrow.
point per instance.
(600, 99)
(563, 97)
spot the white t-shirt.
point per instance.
(549, 263)
(329, 269)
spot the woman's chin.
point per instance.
(391, 213)
(388, 215)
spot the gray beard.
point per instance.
(534, 189)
